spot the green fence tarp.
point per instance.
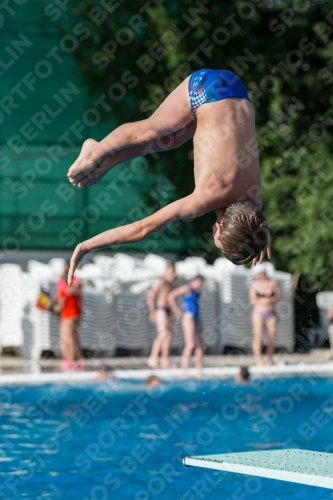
(43, 121)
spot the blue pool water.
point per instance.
(119, 440)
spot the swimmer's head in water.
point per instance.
(152, 381)
(243, 232)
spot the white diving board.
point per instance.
(297, 466)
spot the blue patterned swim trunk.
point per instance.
(210, 85)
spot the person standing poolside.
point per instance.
(264, 294)
(190, 318)
(68, 304)
(161, 315)
(213, 108)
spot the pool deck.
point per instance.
(17, 370)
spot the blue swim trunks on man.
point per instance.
(210, 85)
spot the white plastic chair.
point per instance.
(11, 305)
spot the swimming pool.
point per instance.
(118, 439)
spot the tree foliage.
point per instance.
(283, 52)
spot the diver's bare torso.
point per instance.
(226, 159)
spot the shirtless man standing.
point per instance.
(213, 108)
(161, 315)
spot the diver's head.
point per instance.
(242, 233)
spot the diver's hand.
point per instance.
(268, 248)
(78, 254)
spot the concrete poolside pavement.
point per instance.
(16, 364)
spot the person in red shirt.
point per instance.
(69, 304)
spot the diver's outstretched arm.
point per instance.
(189, 207)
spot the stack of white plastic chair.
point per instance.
(191, 267)
(210, 312)
(11, 304)
(324, 303)
(31, 348)
(90, 273)
(132, 328)
(235, 310)
(285, 338)
(98, 316)
(105, 264)
(155, 263)
(123, 268)
(47, 324)
(57, 266)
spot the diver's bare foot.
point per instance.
(270, 362)
(93, 174)
(84, 164)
